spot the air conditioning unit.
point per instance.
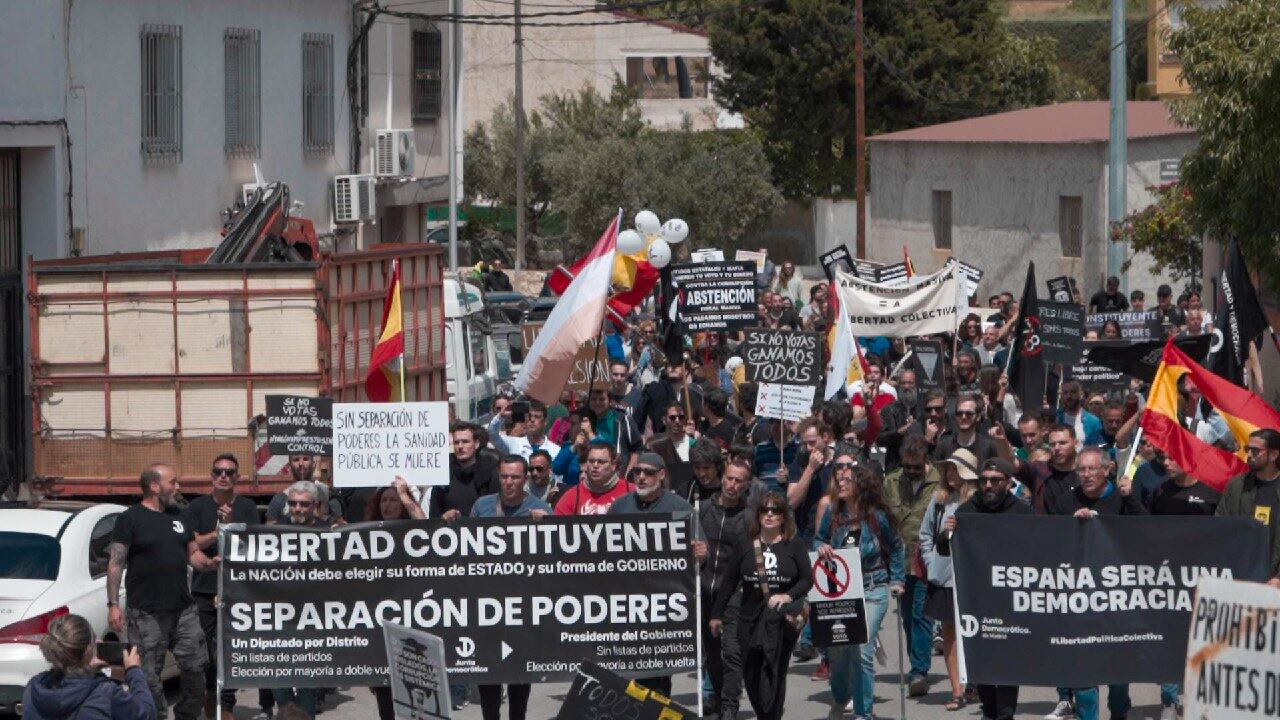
(393, 153)
(354, 198)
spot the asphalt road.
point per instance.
(806, 699)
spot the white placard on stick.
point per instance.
(1233, 657)
(787, 402)
(375, 442)
(416, 664)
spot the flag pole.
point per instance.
(395, 273)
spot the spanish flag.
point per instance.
(906, 260)
(1243, 412)
(387, 361)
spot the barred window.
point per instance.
(942, 219)
(426, 74)
(242, 92)
(161, 48)
(1071, 225)
(317, 93)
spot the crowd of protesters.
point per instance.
(889, 466)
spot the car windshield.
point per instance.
(27, 556)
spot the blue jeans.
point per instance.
(1087, 701)
(1170, 694)
(853, 667)
(916, 625)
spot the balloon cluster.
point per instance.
(649, 243)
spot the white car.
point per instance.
(53, 561)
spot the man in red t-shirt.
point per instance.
(874, 396)
(601, 486)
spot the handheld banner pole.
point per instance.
(217, 641)
(902, 677)
(697, 589)
(400, 292)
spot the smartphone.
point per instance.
(519, 411)
(112, 653)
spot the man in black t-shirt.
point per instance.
(1181, 494)
(204, 516)
(156, 544)
(1110, 299)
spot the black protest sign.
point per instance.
(970, 277)
(837, 607)
(416, 664)
(1062, 289)
(1061, 332)
(783, 356)
(716, 296)
(598, 693)
(299, 425)
(1106, 600)
(514, 599)
(839, 258)
(895, 274)
(928, 360)
(1143, 325)
(1142, 359)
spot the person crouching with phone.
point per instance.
(75, 686)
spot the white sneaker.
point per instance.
(1062, 711)
(848, 707)
(1169, 712)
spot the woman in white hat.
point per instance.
(959, 476)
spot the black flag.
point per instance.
(1026, 357)
(1142, 359)
(1239, 321)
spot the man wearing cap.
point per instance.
(994, 497)
(651, 496)
(659, 395)
(708, 465)
(1110, 299)
(1169, 313)
(907, 491)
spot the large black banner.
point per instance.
(514, 600)
(1074, 603)
(1136, 326)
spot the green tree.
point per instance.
(588, 155)
(1166, 231)
(1231, 60)
(789, 69)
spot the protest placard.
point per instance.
(838, 257)
(837, 608)
(894, 275)
(707, 255)
(715, 296)
(514, 599)
(785, 402)
(782, 356)
(600, 694)
(297, 424)
(1106, 600)
(1233, 653)
(416, 664)
(970, 277)
(927, 359)
(590, 360)
(925, 305)
(374, 442)
(1062, 289)
(1136, 326)
(1061, 331)
(755, 256)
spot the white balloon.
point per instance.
(675, 231)
(647, 222)
(659, 253)
(630, 242)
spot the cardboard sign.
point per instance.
(297, 424)
(716, 297)
(416, 664)
(598, 693)
(1233, 655)
(756, 256)
(970, 276)
(894, 275)
(839, 257)
(927, 359)
(1143, 325)
(783, 356)
(375, 442)
(837, 610)
(785, 402)
(710, 255)
(1062, 289)
(1061, 332)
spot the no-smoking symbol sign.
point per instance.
(831, 577)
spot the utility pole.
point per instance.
(1118, 150)
(519, 140)
(455, 122)
(860, 130)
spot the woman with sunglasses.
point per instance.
(771, 566)
(856, 516)
(959, 478)
(970, 331)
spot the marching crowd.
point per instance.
(889, 466)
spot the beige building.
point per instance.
(1164, 68)
(667, 63)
